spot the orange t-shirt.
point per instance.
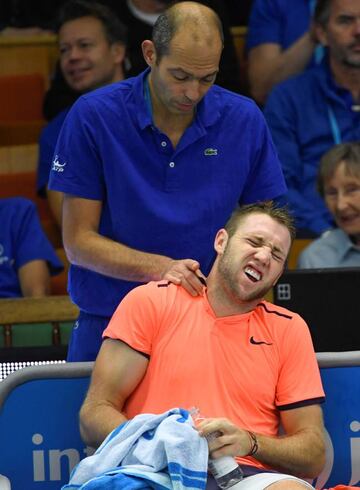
(243, 367)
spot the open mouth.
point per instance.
(252, 274)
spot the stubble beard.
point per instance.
(231, 284)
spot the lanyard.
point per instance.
(147, 96)
(334, 126)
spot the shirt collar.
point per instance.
(207, 113)
(344, 243)
(332, 89)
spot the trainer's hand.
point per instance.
(186, 272)
(231, 441)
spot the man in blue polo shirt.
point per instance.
(152, 167)
(92, 50)
(27, 259)
(280, 43)
(310, 113)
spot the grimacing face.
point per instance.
(342, 32)
(87, 59)
(253, 258)
(342, 197)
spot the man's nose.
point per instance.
(357, 27)
(263, 255)
(342, 201)
(74, 53)
(193, 90)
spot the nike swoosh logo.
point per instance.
(258, 342)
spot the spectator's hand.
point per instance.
(232, 441)
(187, 273)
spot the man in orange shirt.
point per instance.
(247, 364)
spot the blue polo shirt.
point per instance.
(333, 249)
(21, 241)
(47, 144)
(156, 198)
(297, 112)
(278, 21)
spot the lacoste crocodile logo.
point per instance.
(210, 152)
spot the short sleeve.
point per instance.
(266, 179)
(137, 318)
(30, 240)
(76, 166)
(299, 378)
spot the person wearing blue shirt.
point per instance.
(92, 49)
(152, 166)
(280, 43)
(27, 259)
(310, 113)
(339, 184)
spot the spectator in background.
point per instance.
(139, 16)
(152, 167)
(310, 113)
(339, 185)
(238, 11)
(92, 50)
(24, 17)
(280, 43)
(26, 257)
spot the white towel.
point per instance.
(150, 451)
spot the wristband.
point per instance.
(254, 443)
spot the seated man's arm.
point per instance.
(87, 248)
(300, 452)
(118, 370)
(34, 278)
(268, 64)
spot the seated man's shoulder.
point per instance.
(52, 129)
(18, 205)
(325, 251)
(296, 85)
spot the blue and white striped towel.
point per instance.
(161, 452)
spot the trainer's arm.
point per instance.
(268, 64)
(300, 452)
(55, 199)
(118, 370)
(87, 248)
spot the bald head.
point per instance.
(199, 22)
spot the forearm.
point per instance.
(267, 72)
(301, 454)
(105, 256)
(97, 421)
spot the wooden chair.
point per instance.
(27, 311)
(297, 247)
(21, 98)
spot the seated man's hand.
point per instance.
(231, 441)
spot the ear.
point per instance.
(221, 241)
(118, 51)
(321, 34)
(149, 52)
